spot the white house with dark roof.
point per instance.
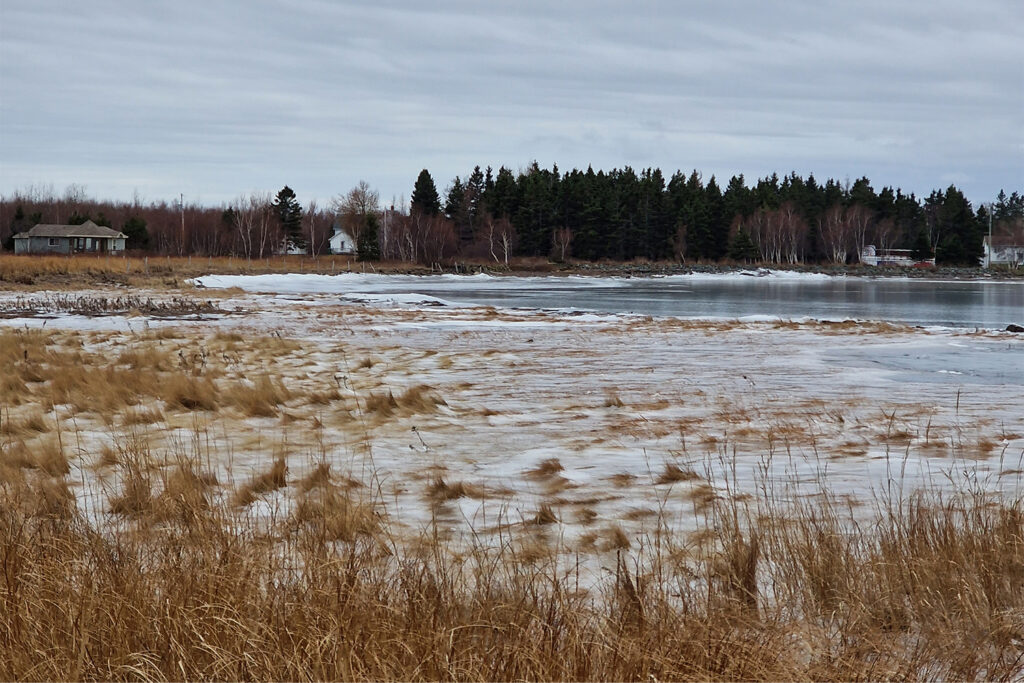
(342, 242)
(69, 239)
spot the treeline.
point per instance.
(618, 215)
(624, 214)
(175, 228)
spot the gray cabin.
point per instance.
(69, 239)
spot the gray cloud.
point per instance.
(214, 99)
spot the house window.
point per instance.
(54, 242)
(88, 244)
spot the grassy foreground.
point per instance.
(926, 589)
(167, 575)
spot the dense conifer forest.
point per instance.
(617, 215)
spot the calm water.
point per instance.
(916, 302)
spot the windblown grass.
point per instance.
(930, 587)
(318, 572)
(272, 479)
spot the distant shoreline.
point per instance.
(651, 270)
(77, 272)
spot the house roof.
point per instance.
(87, 229)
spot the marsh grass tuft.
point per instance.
(261, 398)
(419, 399)
(673, 473)
(191, 393)
(545, 515)
(274, 478)
(440, 491)
(331, 514)
(546, 468)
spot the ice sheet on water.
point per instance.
(747, 275)
(347, 283)
(986, 362)
(401, 299)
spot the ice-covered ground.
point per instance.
(606, 421)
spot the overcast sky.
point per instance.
(215, 99)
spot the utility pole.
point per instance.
(181, 203)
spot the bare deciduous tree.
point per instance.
(859, 219)
(316, 226)
(500, 235)
(885, 233)
(835, 233)
(255, 223)
(793, 229)
(780, 234)
(561, 240)
(437, 238)
(354, 206)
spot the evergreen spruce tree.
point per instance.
(453, 202)
(289, 213)
(367, 244)
(20, 223)
(718, 222)
(456, 210)
(472, 203)
(501, 199)
(425, 199)
(138, 236)
(921, 251)
(742, 248)
(961, 241)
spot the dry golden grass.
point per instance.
(136, 470)
(440, 491)
(45, 455)
(928, 588)
(260, 398)
(333, 514)
(547, 468)
(319, 476)
(29, 425)
(142, 416)
(274, 478)
(673, 473)
(26, 272)
(416, 400)
(191, 393)
(176, 577)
